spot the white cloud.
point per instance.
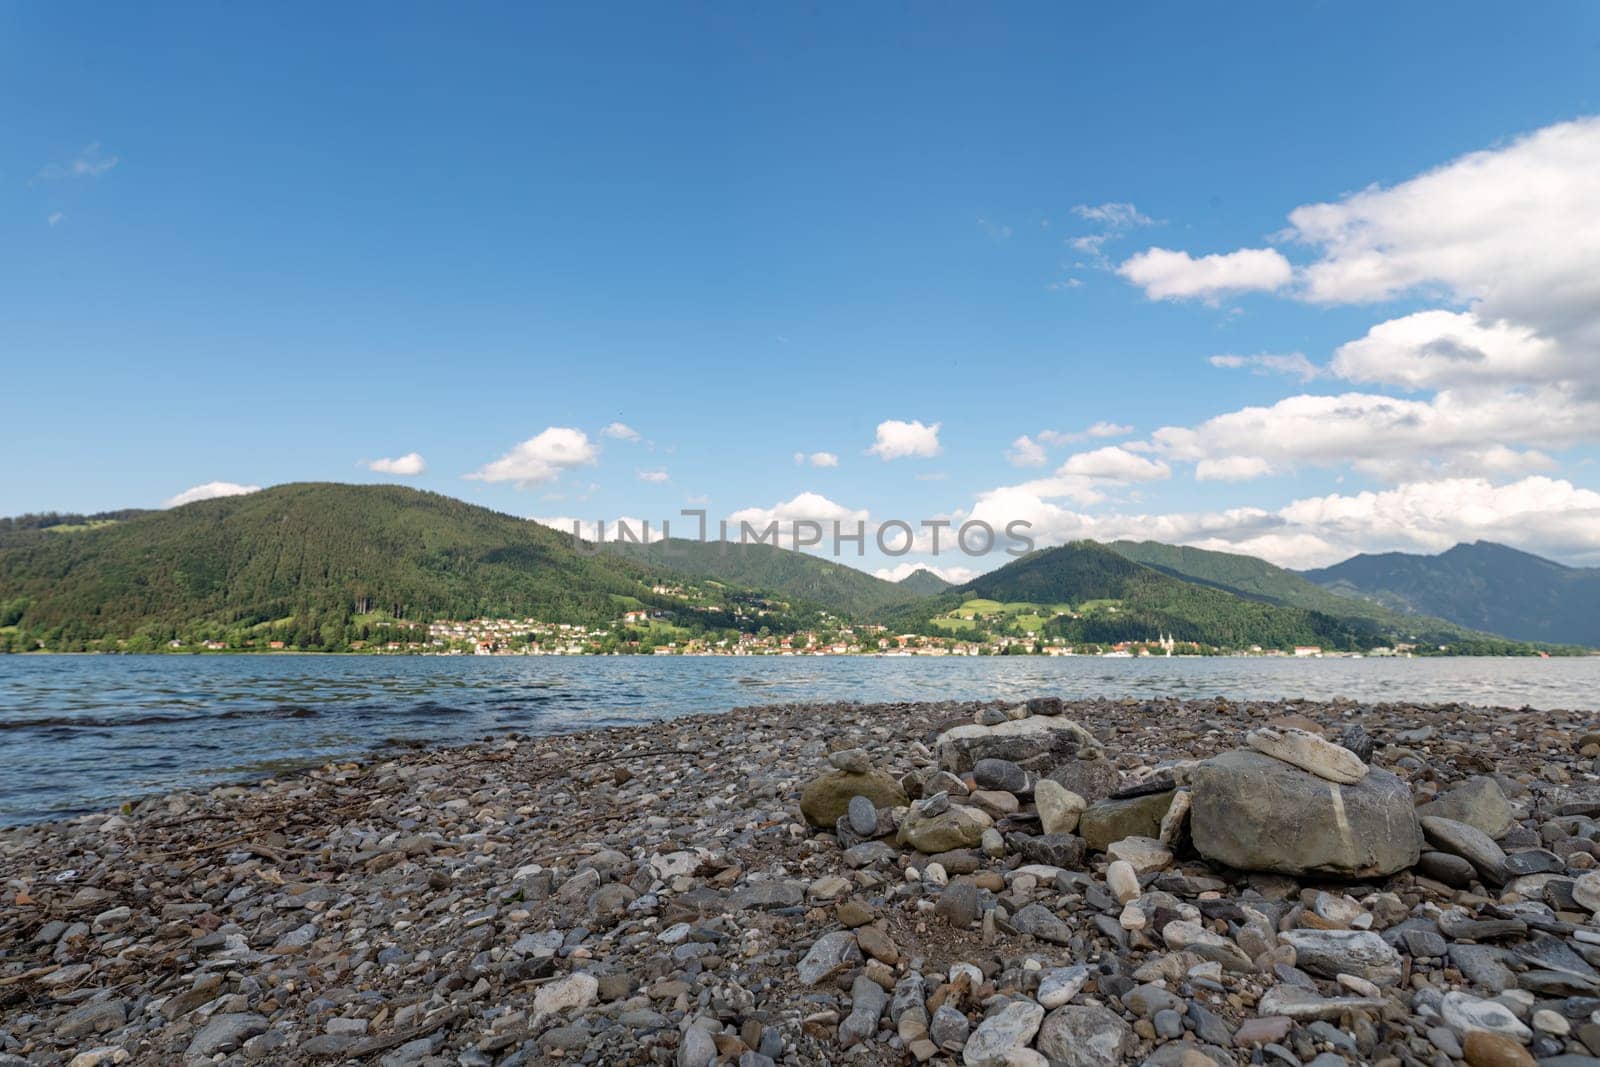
(1438, 349)
(901, 571)
(589, 529)
(651, 476)
(1538, 514)
(1293, 363)
(812, 506)
(55, 218)
(1231, 469)
(1115, 215)
(410, 463)
(816, 459)
(1117, 464)
(210, 491)
(899, 440)
(89, 163)
(620, 431)
(1099, 429)
(1384, 434)
(1168, 275)
(1026, 452)
(541, 459)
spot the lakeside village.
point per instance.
(530, 637)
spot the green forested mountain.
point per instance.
(797, 576)
(1483, 585)
(924, 582)
(316, 555)
(1116, 599)
(1257, 579)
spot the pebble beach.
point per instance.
(1000, 884)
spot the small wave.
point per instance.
(118, 722)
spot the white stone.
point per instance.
(573, 991)
(1059, 986)
(1177, 815)
(1123, 881)
(1549, 1022)
(1007, 1030)
(1586, 890)
(1463, 1012)
(1059, 807)
(1309, 752)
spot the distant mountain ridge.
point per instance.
(1482, 585)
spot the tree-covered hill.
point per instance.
(1126, 601)
(924, 582)
(1257, 579)
(796, 576)
(318, 554)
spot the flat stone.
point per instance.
(829, 953)
(1309, 752)
(1334, 952)
(1186, 934)
(1000, 774)
(1039, 921)
(1091, 779)
(224, 1033)
(1468, 842)
(1017, 740)
(1304, 1005)
(1484, 1049)
(1144, 854)
(1586, 890)
(1464, 1013)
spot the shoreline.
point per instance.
(653, 891)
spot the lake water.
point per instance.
(81, 733)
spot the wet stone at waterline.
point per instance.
(798, 884)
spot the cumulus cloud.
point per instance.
(620, 431)
(1164, 274)
(1374, 432)
(1539, 514)
(812, 506)
(1439, 349)
(408, 464)
(900, 440)
(1231, 469)
(1294, 363)
(651, 476)
(816, 459)
(541, 459)
(1026, 452)
(89, 163)
(210, 491)
(1117, 464)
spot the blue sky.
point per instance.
(249, 247)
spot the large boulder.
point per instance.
(956, 826)
(827, 797)
(1106, 821)
(1017, 740)
(1092, 779)
(1257, 813)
